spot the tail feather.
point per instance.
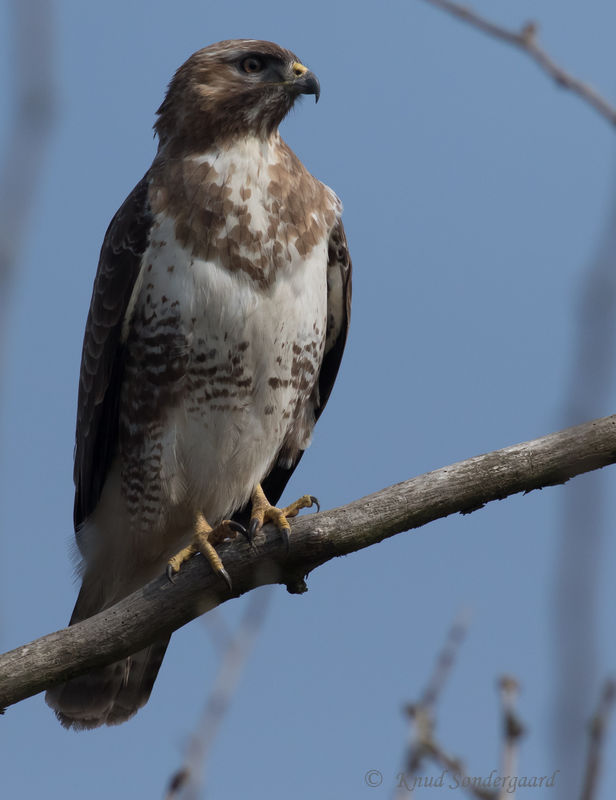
(107, 695)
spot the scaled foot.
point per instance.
(263, 511)
(204, 539)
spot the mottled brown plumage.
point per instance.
(217, 324)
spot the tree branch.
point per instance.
(513, 730)
(161, 607)
(597, 730)
(526, 40)
(422, 744)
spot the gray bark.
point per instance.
(161, 607)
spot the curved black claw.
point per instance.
(253, 528)
(224, 574)
(235, 526)
(170, 574)
(286, 538)
(315, 502)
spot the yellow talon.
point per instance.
(204, 539)
(263, 511)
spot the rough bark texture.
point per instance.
(161, 607)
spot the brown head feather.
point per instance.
(211, 99)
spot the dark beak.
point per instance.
(308, 83)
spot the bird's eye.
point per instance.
(252, 65)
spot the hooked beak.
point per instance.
(305, 81)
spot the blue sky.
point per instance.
(476, 194)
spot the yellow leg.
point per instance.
(263, 511)
(204, 539)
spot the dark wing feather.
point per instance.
(339, 273)
(101, 373)
(339, 290)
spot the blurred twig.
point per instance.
(187, 780)
(423, 745)
(598, 726)
(512, 732)
(526, 40)
(580, 548)
(32, 61)
(445, 661)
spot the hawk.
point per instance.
(217, 323)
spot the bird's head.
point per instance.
(229, 89)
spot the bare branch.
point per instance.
(526, 40)
(423, 744)
(512, 732)
(598, 725)
(578, 560)
(161, 607)
(445, 661)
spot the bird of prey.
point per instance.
(218, 318)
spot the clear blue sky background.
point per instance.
(475, 196)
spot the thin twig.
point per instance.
(458, 772)
(220, 632)
(423, 713)
(578, 559)
(423, 745)
(526, 40)
(187, 780)
(160, 607)
(597, 729)
(512, 732)
(445, 661)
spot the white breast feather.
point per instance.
(214, 457)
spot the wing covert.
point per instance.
(101, 371)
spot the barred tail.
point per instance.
(106, 695)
